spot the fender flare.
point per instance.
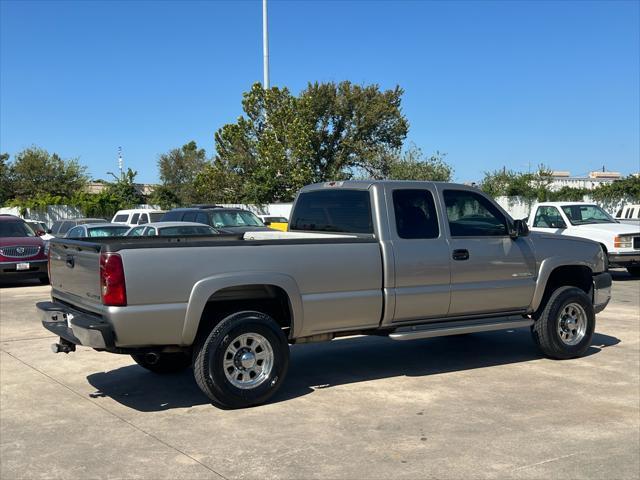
(547, 267)
(205, 288)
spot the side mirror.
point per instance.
(267, 223)
(40, 233)
(519, 228)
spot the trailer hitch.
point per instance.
(65, 346)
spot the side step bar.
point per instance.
(442, 329)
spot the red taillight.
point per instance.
(112, 286)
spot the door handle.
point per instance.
(461, 254)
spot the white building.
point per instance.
(594, 180)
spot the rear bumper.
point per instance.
(37, 268)
(77, 327)
(624, 259)
(601, 291)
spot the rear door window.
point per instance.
(415, 213)
(344, 211)
(134, 219)
(144, 218)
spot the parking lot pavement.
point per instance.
(477, 406)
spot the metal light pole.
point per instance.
(265, 46)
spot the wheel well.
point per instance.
(569, 275)
(269, 299)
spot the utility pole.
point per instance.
(265, 46)
(120, 163)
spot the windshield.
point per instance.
(237, 218)
(16, 229)
(108, 231)
(586, 214)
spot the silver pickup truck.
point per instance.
(409, 260)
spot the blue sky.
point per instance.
(489, 83)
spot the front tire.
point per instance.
(163, 363)
(243, 361)
(634, 271)
(564, 328)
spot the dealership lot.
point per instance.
(478, 406)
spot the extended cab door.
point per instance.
(420, 253)
(490, 271)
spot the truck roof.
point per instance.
(366, 184)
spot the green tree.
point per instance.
(352, 127)
(413, 165)
(35, 172)
(6, 191)
(165, 197)
(269, 148)
(282, 142)
(178, 170)
(509, 183)
(124, 190)
(627, 188)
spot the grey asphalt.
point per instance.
(477, 406)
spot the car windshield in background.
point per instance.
(155, 217)
(345, 211)
(235, 219)
(187, 230)
(275, 219)
(587, 214)
(108, 231)
(16, 229)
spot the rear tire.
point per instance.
(243, 361)
(634, 271)
(162, 363)
(564, 327)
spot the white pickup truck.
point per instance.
(620, 241)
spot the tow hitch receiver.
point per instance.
(64, 346)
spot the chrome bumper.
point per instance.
(76, 327)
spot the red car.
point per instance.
(22, 253)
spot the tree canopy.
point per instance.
(331, 131)
(35, 172)
(178, 170)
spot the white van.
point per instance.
(137, 216)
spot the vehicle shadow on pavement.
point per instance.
(622, 276)
(325, 365)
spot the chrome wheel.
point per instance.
(572, 324)
(248, 360)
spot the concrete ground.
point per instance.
(477, 406)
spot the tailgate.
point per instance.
(75, 272)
